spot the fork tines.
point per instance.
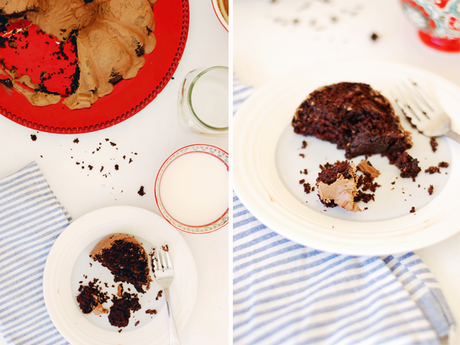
(415, 104)
(161, 260)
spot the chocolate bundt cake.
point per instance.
(126, 259)
(359, 120)
(111, 38)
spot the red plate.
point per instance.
(129, 96)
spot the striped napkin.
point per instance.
(287, 293)
(31, 219)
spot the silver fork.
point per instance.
(164, 274)
(423, 112)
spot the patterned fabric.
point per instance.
(31, 219)
(287, 293)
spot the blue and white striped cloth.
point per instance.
(31, 219)
(286, 293)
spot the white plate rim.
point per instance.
(64, 312)
(265, 196)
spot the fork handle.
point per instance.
(173, 336)
(453, 135)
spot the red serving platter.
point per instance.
(129, 96)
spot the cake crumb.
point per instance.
(443, 164)
(430, 189)
(302, 155)
(141, 191)
(412, 210)
(302, 181)
(304, 144)
(433, 144)
(151, 311)
(76, 140)
(33, 137)
(431, 170)
(374, 36)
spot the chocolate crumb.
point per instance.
(116, 167)
(141, 191)
(76, 140)
(431, 170)
(430, 189)
(374, 36)
(302, 181)
(33, 137)
(433, 144)
(412, 210)
(302, 155)
(304, 144)
(151, 311)
(443, 164)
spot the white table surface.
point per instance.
(153, 134)
(271, 38)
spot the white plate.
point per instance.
(267, 167)
(68, 260)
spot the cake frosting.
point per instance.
(112, 37)
(367, 168)
(342, 192)
(336, 185)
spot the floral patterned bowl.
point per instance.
(438, 22)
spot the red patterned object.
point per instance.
(437, 21)
(129, 96)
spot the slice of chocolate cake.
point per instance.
(91, 298)
(126, 259)
(120, 311)
(357, 119)
(337, 185)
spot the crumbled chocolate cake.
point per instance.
(126, 259)
(141, 191)
(443, 164)
(307, 188)
(91, 298)
(431, 170)
(357, 119)
(430, 189)
(120, 311)
(433, 144)
(412, 210)
(337, 185)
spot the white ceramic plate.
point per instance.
(68, 261)
(267, 167)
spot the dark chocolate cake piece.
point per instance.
(91, 298)
(357, 119)
(126, 259)
(337, 185)
(120, 311)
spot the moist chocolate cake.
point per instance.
(126, 259)
(357, 119)
(120, 311)
(337, 185)
(91, 298)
